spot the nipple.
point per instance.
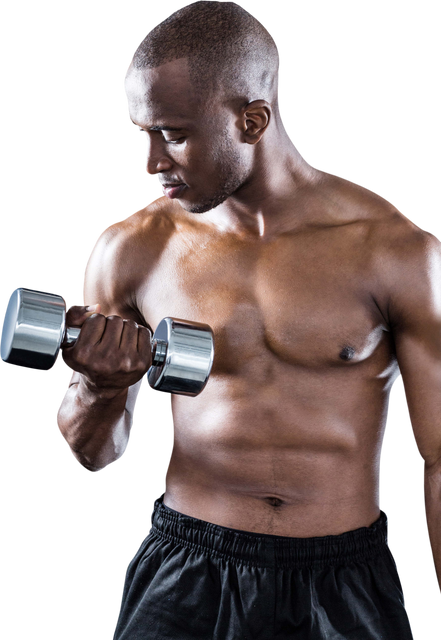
(347, 353)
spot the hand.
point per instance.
(110, 352)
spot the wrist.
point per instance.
(91, 390)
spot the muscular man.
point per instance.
(319, 294)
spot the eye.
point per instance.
(172, 141)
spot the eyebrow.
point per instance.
(161, 128)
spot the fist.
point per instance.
(111, 352)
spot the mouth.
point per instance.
(173, 190)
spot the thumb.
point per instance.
(93, 308)
(76, 316)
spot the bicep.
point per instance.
(104, 281)
(419, 359)
(107, 274)
(104, 284)
(415, 311)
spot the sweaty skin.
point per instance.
(318, 292)
(286, 436)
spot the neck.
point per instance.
(265, 204)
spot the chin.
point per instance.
(194, 207)
(197, 208)
(203, 207)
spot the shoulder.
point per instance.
(138, 236)
(124, 255)
(143, 226)
(389, 234)
(410, 269)
(403, 254)
(406, 260)
(403, 260)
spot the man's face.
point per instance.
(191, 144)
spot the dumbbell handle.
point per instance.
(71, 336)
(159, 347)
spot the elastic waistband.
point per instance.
(266, 550)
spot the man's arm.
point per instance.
(414, 310)
(97, 423)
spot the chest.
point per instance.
(303, 300)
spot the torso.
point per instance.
(285, 439)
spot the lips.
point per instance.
(173, 190)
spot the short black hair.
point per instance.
(226, 48)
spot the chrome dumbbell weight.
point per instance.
(34, 329)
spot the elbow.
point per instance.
(87, 467)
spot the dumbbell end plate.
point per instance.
(189, 357)
(32, 329)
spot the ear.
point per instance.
(255, 120)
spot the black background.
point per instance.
(358, 98)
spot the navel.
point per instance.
(273, 501)
(347, 353)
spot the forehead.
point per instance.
(162, 93)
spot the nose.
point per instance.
(157, 158)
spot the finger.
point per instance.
(76, 316)
(111, 337)
(93, 308)
(129, 337)
(145, 343)
(92, 330)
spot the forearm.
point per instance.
(432, 491)
(95, 424)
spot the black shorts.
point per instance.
(192, 580)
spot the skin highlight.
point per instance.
(229, 147)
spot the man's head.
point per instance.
(209, 71)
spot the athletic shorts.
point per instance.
(194, 580)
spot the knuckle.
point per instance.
(145, 330)
(126, 364)
(95, 318)
(141, 327)
(107, 372)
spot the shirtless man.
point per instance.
(319, 294)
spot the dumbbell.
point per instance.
(34, 329)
